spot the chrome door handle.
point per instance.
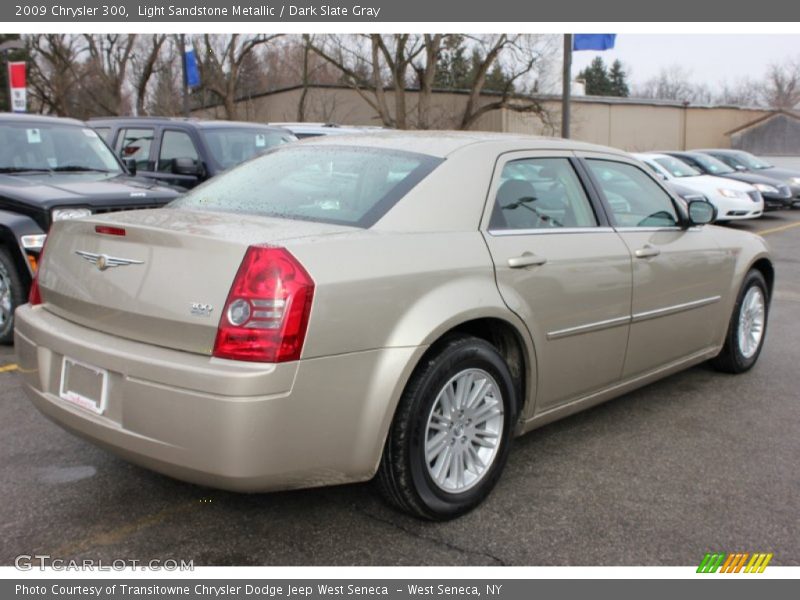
(526, 260)
(647, 251)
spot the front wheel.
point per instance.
(12, 294)
(450, 437)
(747, 328)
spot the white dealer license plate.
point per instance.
(84, 385)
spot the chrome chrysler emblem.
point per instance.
(104, 261)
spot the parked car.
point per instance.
(186, 152)
(746, 162)
(776, 194)
(53, 169)
(307, 130)
(354, 305)
(733, 199)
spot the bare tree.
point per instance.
(782, 85)
(222, 62)
(105, 72)
(672, 83)
(745, 92)
(145, 62)
(52, 79)
(383, 68)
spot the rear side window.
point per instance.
(540, 193)
(135, 144)
(330, 184)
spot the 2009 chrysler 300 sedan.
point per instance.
(396, 304)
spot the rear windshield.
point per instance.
(343, 185)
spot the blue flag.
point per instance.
(593, 41)
(192, 72)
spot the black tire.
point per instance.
(12, 294)
(403, 476)
(731, 359)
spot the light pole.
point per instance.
(566, 89)
(5, 48)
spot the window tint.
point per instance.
(635, 199)
(332, 184)
(175, 144)
(135, 144)
(539, 193)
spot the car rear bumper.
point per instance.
(226, 424)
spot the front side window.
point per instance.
(135, 144)
(345, 185)
(175, 144)
(540, 193)
(634, 198)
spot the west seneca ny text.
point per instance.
(278, 11)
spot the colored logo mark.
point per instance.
(734, 562)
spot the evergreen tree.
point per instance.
(596, 78)
(618, 80)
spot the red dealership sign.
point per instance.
(17, 83)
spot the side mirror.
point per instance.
(741, 168)
(185, 166)
(661, 176)
(130, 165)
(701, 212)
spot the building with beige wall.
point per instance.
(628, 123)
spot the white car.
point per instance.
(733, 199)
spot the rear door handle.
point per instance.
(647, 251)
(526, 260)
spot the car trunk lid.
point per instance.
(165, 280)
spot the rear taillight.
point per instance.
(266, 314)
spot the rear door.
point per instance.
(563, 270)
(679, 274)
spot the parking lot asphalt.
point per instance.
(697, 462)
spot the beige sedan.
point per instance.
(399, 305)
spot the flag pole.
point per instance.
(185, 80)
(566, 85)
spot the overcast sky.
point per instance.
(711, 58)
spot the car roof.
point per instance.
(444, 143)
(653, 155)
(191, 122)
(25, 117)
(719, 151)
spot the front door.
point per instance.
(679, 274)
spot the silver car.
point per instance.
(397, 306)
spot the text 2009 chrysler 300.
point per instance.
(392, 303)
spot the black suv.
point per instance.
(52, 169)
(186, 152)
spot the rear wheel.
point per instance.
(747, 328)
(451, 434)
(12, 294)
